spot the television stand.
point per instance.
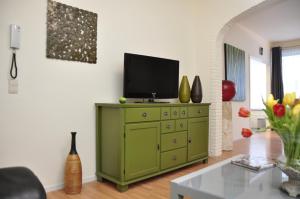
(151, 101)
(155, 102)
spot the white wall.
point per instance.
(56, 97)
(244, 39)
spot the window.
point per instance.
(258, 84)
(291, 70)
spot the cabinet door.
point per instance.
(197, 138)
(142, 150)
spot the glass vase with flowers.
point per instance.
(284, 119)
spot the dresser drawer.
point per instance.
(173, 158)
(183, 112)
(198, 111)
(165, 113)
(181, 125)
(175, 112)
(172, 141)
(167, 126)
(142, 114)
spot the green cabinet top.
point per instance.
(142, 105)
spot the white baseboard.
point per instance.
(56, 187)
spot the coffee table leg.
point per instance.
(176, 196)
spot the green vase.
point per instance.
(184, 90)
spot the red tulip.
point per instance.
(279, 110)
(246, 132)
(244, 112)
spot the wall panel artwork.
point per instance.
(71, 33)
(235, 70)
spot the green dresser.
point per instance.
(138, 141)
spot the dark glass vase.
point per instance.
(196, 93)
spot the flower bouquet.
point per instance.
(284, 119)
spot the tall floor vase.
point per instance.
(184, 90)
(73, 170)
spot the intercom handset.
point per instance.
(15, 32)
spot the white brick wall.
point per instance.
(215, 117)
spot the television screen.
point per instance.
(144, 75)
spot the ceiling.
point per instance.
(276, 22)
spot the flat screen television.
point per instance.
(145, 75)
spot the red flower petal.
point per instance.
(244, 112)
(279, 110)
(246, 132)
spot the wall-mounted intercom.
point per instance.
(15, 33)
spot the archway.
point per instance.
(216, 76)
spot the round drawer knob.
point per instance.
(165, 113)
(144, 114)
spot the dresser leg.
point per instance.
(205, 161)
(122, 188)
(100, 179)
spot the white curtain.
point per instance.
(290, 51)
(291, 69)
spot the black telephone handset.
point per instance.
(15, 32)
(13, 66)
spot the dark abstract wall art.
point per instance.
(71, 33)
(235, 70)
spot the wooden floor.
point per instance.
(263, 144)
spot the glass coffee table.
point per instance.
(224, 180)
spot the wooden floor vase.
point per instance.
(73, 170)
